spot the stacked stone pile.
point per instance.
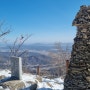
(78, 75)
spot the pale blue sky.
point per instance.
(48, 20)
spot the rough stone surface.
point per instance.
(14, 85)
(78, 75)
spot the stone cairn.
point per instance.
(78, 75)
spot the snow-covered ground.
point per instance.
(42, 82)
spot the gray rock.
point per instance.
(33, 87)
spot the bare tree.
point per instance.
(60, 56)
(63, 54)
(15, 49)
(16, 46)
(3, 31)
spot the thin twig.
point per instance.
(20, 45)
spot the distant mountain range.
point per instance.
(38, 46)
(41, 54)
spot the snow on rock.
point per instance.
(42, 83)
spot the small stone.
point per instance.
(88, 79)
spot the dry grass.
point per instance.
(39, 78)
(49, 84)
(2, 76)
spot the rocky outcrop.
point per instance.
(14, 85)
(78, 75)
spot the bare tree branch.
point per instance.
(25, 51)
(4, 33)
(20, 45)
(2, 30)
(15, 48)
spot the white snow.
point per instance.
(5, 72)
(43, 83)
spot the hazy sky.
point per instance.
(48, 20)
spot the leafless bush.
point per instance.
(59, 58)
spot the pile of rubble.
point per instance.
(78, 75)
